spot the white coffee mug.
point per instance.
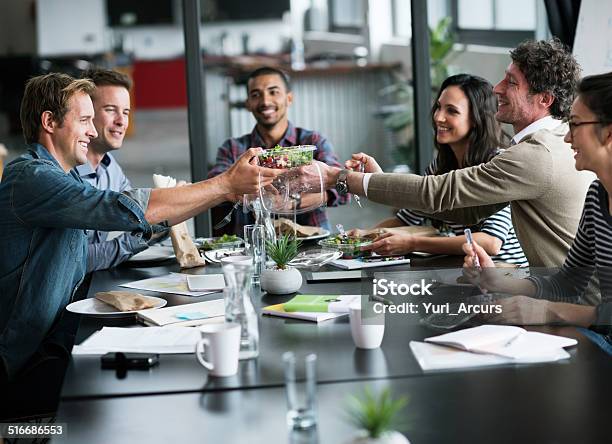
(220, 343)
(366, 335)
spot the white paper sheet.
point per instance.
(173, 283)
(166, 340)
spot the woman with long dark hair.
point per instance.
(465, 134)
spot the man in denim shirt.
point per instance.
(45, 209)
(111, 101)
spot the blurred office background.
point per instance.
(350, 61)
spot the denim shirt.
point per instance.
(103, 253)
(44, 213)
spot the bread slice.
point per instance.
(125, 300)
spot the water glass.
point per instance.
(239, 307)
(255, 240)
(301, 393)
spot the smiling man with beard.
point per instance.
(269, 97)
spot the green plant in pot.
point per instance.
(375, 415)
(282, 278)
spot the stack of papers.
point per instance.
(164, 340)
(489, 345)
(315, 308)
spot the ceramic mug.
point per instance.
(368, 334)
(220, 344)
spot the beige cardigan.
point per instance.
(537, 176)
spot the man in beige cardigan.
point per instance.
(536, 175)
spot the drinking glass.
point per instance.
(301, 393)
(239, 307)
(255, 240)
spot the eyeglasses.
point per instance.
(574, 125)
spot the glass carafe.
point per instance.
(239, 307)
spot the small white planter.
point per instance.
(276, 281)
(390, 437)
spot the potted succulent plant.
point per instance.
(282, 278)
(375, 416)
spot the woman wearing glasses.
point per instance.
(557, 298)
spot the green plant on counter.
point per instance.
(399, 116)
(441, 41)
(376, 414)
(283, 250)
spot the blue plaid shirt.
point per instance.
(232, 149)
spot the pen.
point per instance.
(381, 299)
(470, 241)
(383, 258)
(361, 170)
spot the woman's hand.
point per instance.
(391, 243)
(369, 163)
(485, 275)
(523, 310)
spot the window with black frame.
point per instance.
(494, 22)
(347, 16)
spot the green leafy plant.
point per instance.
(398, 116)
(441, 40)
(376, 414)
(283, 250)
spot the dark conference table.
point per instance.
(558, 402)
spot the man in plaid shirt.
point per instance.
(269, 98)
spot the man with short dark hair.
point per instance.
(536, 175)
(111, 101)
(269, 97)
(45, 208)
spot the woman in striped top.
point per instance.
(591, 253)
(466, 134)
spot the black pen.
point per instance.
(382, 258)
(381, 299)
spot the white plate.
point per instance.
(94, 307)
(215, 256)
(316, 236)
(154, 253)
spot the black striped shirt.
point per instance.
(590, 256)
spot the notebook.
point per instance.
(503, 340)
(198, 313)
(439, 357)
(321, 303)
(278, 310)
(325, 276)
(358, 264)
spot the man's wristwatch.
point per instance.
(341, 184)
